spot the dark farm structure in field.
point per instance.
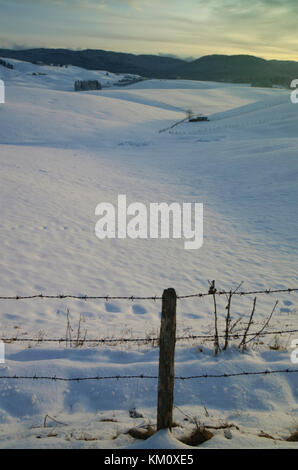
(84, 85)
(198, 119)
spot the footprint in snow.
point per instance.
(112, 308)
(138, 309)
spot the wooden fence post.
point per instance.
(166, 360)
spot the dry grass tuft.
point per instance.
(108, 420)
(293, 437)
(267, 436)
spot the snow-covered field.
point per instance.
(62, 153)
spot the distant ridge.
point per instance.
(233, 68)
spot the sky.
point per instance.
(184, 28)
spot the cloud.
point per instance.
(191, 28)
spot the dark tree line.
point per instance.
(6, 64)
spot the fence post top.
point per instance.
(170, 292)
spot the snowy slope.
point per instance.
(54, 77)
(61, 154)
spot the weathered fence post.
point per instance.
(166, 360)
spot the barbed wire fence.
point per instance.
(212, 292)
(166, 341)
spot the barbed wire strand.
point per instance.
(140, 340)
(132, 297)
(142, 376)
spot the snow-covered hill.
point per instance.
(56, 77)
(63, 152)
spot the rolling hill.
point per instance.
(235, 68)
